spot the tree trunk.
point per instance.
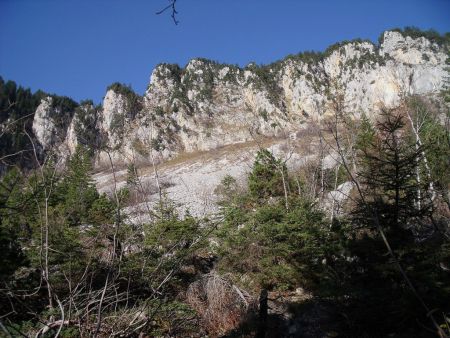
(263, 314)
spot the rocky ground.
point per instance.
(190, 180)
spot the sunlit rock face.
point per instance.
(114, 111)
(207, 105)
(43, 126)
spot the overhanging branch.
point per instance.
(172, 8)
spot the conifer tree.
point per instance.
(388, 163)
(266, 179)
(78, 188)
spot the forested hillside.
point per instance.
(351, 241)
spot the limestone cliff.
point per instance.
(207, 105)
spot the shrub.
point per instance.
(266, 179)
(221, 305)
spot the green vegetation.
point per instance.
(266, 79)
(341, 44)
(264, 114)
(58, 234)
(272, 247)
(133, 105)
(86, 130)
(184, 81)
(308, 57)
(268, 245)
(266, 178)
(415, 33)
(17, 108)
(77, 263)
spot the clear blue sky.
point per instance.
(78, 47)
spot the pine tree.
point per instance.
(266, 178)
(388, 163)
(12, 205)
(132, 175)
(78, 189)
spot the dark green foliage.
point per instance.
(260, 238)
(101, 211)
(266, 178)
(158, 143)
(307, 57)
(415, 33)
(174, 70)
(133, 100)
(227, 189)
(160, 111)
(369, 276)
(369, 59)
(171, 233)
(389, 165)
(63, 103)
(48, 202)
(184, 81)
(272, 246)
(122, 89)
(132, 175)
(63, 109)
(263, 113)
(366, 135)
(165, 246)
(206, 81)
(17, 107)
(15, 102)
(265, 245)
(435, 138)
(268, 235)
(266, 79)
(340, 44)
(12, 256)
(86, 117)
(11, 204)
(77, 188)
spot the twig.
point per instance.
(172, 7)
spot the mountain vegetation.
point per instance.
(73, 265)
(289, 252)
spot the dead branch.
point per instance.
(172, 8)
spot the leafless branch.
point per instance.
(172, 8)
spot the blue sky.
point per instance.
(78, 47)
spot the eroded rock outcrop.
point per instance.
(207, 105)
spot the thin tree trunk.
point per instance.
(49, 289)
(419, 143)
(263, 314)
(155, 170)
(284, 188)
(334, 200)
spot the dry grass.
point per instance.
(221, 305)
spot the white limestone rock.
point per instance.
(206, 105)
(44, 127)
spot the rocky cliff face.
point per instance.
(207, 105)
(44, 127)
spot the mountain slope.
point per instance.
(207, 105)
